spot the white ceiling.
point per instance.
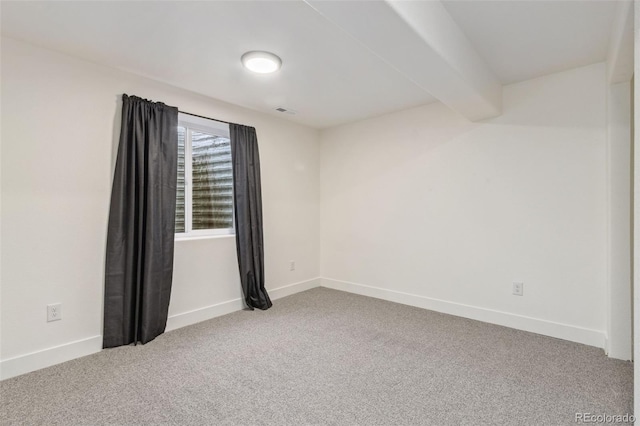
(328, 76)
(520, 40)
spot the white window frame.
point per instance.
(212, 127)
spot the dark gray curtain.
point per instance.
(247, 204)
(139, 263)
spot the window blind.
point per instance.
(212, 190)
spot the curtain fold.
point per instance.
(247, 204)
(140, 236)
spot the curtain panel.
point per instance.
(140, 236)
(247, 204)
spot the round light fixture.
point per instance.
(261, 62)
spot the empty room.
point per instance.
(317, 212)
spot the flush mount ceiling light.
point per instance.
(261, 62)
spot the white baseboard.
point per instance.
(47, 357)
(548, 328)
(224, 308)
(288, 290)
(202, 314)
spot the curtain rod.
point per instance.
(209, 118)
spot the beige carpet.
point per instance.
(328, 357)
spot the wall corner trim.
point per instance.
(47, 357)
(572, 333)
(208, 312)
(33, 361)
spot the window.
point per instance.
(204, 200)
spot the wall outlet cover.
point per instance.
(54, 312)
(518, 289)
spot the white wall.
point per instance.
(619, 303)
(426, 208)
(60, 126)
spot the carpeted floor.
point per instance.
(328, 357)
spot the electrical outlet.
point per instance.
(292, 265)
(518, 289)
(54, 312)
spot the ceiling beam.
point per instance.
(620, 54)
(422, 42)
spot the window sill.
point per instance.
(203, 237)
